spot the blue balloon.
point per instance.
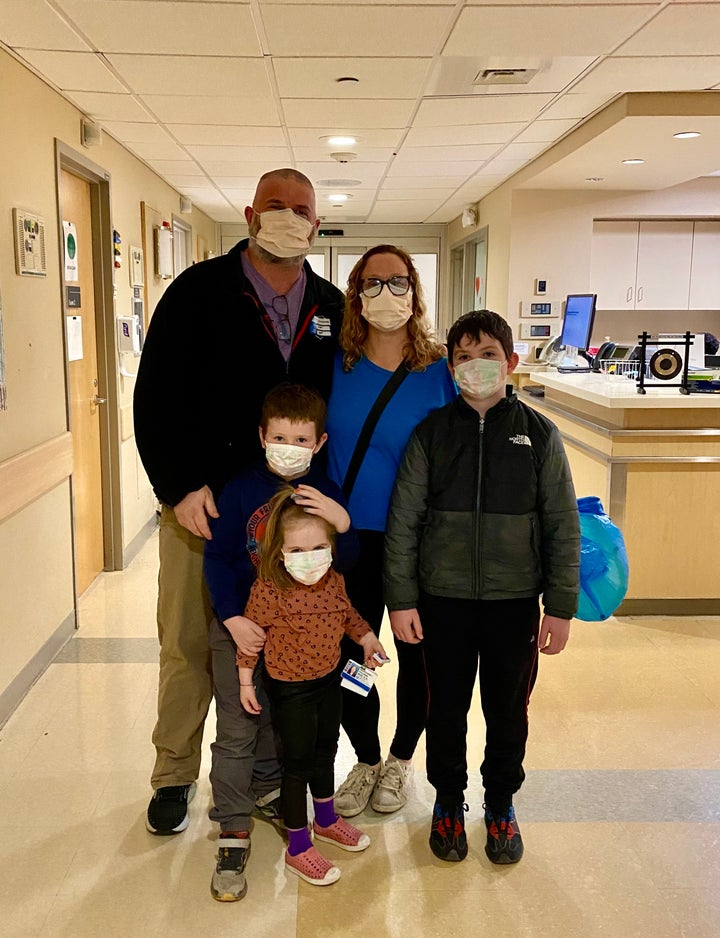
(603, 563)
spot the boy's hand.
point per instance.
(406, 625)
(315, 503)
(247, 635)
(370, 644)
(192, 512)
(554, 634)
(249, 699)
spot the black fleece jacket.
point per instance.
(209, 359)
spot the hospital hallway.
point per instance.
(620, 813)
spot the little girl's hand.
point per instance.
(249, 699)
(371, 646)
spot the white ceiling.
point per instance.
(212, 94)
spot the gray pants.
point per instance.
(245, 763)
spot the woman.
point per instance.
(385, 336)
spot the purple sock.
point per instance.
(325, 812)
(298, 841)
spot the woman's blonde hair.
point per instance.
(284, 511)
(421, 349)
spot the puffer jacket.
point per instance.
(484, 509)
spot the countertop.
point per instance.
(620, 393)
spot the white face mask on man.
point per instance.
(288, 460)
(308, 566)
(284, 234)
(480, 378)
(386, 311)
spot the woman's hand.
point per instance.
(315, 503)
(406, 625)
(370, 645)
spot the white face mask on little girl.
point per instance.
(308, 566)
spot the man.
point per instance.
(224, 333)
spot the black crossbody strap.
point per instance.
(393, 383)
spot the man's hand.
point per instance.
(554, 634)
(315, 503)
(192, 512)
(406, 625)
(247, 635)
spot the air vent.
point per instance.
(505, 76)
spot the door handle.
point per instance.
(99, 400)
(628, 295)
(640, 294)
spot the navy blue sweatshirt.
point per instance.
(231, 555)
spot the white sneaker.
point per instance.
(353, 795)
(390, 793)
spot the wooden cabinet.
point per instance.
(642, 264)
(705, 268)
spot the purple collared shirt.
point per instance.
(267, 294)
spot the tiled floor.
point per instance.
(620, 813)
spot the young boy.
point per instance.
(483, 520)
(245, 773)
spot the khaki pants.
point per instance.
(185, 685)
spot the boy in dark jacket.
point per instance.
(483, 521)
(245, 773)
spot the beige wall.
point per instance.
(36, 591)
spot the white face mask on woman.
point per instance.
(284, 234)
(288, 460)
(480, 377)
(387, 312)
(308, 566)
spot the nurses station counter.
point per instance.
(654, 462)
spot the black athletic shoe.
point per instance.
(167, 812)
(504, 843)
(269, 808)
(447, 834)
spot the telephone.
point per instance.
(552, 352)
(605, 351)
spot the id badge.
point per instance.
(357, 678)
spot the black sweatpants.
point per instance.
(306, 717)
(361, 715)
(498, 639)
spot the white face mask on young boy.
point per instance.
(288, 460)
(480, 377)
(308, 566)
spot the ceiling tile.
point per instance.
(311, 136)
(112, 107)
(74, 71)
(247, 167)
(245, 183)
(275, 155)
(182, 182)
(347, 115)
(340, 30)
(365, 172)
(469, 134)
(576, 105)
(217, 135)
(394, 195)
(188, 75)
(676, 73)
(437, 154)
(542, 131)
(177, 167)
(429, 170)
(159, 151)
(31, 24)
(455, 75)
(322, 152)
(212, 109)
(133, 132)
(155, 27)
(382, 78)
(444, 112)
(678, 30)
(523, 151)
(439, 181)
(543, 30)
(412, 210)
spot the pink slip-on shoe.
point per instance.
(343, 835)
(313, 867)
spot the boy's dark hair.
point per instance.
(476, 322)
(296, 403)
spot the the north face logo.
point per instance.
(521, 440)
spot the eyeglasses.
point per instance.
(372, 286)
(283, 329)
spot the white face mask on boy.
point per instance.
(480, 377)
(308, 566)
(288, 460)
(284, 234)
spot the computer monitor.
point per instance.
(577, 329)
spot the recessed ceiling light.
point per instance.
(686, 134)
(632, 162)
(338, 183)
(340, 141)
(339, 197)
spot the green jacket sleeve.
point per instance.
(560, 526)
(406, 517)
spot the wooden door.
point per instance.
(86, 397)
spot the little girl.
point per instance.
(302, 603)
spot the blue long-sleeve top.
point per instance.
(231, 556)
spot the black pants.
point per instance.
(361, 715)
(502, 637)
(306, 716)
